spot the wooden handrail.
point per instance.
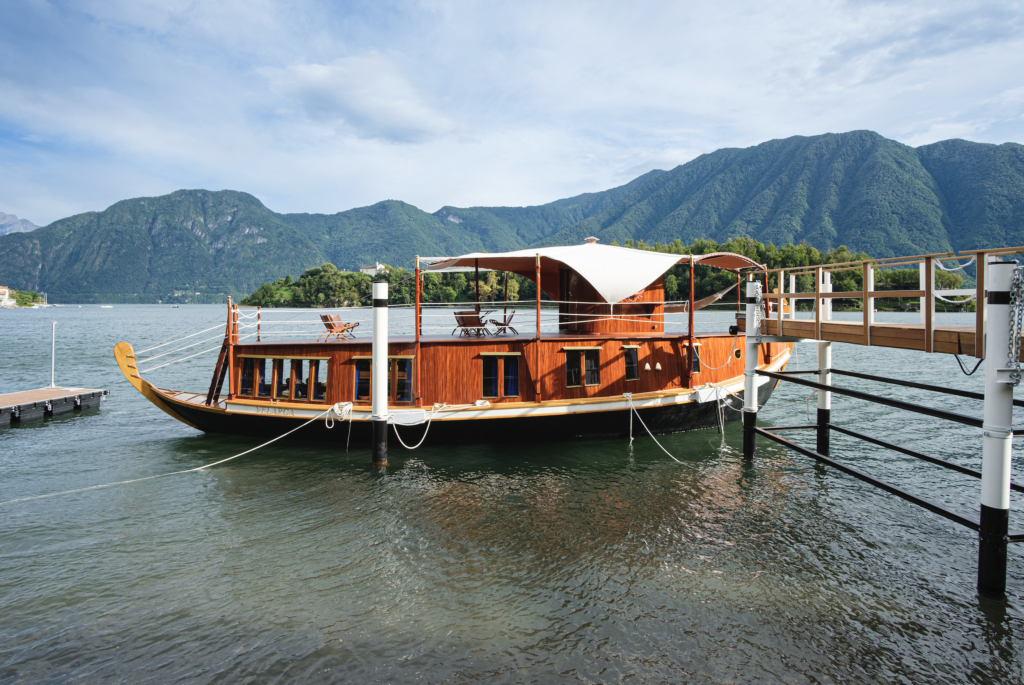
(848, 295)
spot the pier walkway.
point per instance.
(30, 405)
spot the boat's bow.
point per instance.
(124, 353)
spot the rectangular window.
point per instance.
(362, 380)
(263, 378)
(572, 369)
(283, 379)
(694, 360)
(490, 377)
(592, 366)
(632, 364)
(402, 370)
(248, 368)
(510, 376)
(318, 379)
(301, 383)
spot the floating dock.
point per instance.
(30, 405)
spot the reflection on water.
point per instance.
(588, 561)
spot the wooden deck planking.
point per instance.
(908, 336)
(41, 395)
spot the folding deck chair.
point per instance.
(336, 328)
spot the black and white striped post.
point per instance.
(997, 445)
(824, 396)
(749, 373)
(379, 375)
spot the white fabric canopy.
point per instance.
(615, 272)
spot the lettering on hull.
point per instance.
(278, 411)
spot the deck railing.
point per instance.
(823, 295)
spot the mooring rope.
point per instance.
(964, 368)
(340, 409)
(629, 396)
(728, 357)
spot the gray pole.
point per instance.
(749, 377)
(53, 349)
(997, 443)
(379, 374)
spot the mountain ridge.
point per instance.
(856, 189)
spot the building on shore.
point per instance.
(6, 297)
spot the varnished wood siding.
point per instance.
(452, 373)
(578, 313)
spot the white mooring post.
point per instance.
(379, 375)
(792, 302)
(749, 376)
(53, 350)
(826, 287)
(921, 286)
(870, 304)
(998, 436)
(824, 396)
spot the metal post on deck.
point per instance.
(997, 431)
(379, 374)
(749, 374)
(792, 301)
(53, 350)
(921, 286)
(824, 397)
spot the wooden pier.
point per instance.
(926, 336)
(996, 335)
(30, 405)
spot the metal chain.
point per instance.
(757, 310)
(1016, 320)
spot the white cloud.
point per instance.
(319, 106)
(365, 95)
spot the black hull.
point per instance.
(676, 418)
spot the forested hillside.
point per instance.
(856, 189)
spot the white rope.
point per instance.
(175, 361)
(629, 396)
(728, 357)
(177, 349)
(940, 297)
(958, 267)
(338, 409)
(425, 431)
(177, 336)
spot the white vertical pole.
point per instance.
(871, 286)
(53, 350)
(792, 301)
(826, 287)
(749, 376)
(921, 284)
(997, 431)
(379, 375)
(824, 396)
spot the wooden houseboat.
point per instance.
(613, 344)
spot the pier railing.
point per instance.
(786, 300)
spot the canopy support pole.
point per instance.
(476, 285)
(419, 325)
(692, 300)
(536, 355)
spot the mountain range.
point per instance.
(857, 189)
(12, 224)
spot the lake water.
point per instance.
(574, 562)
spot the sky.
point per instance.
(317, 106)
